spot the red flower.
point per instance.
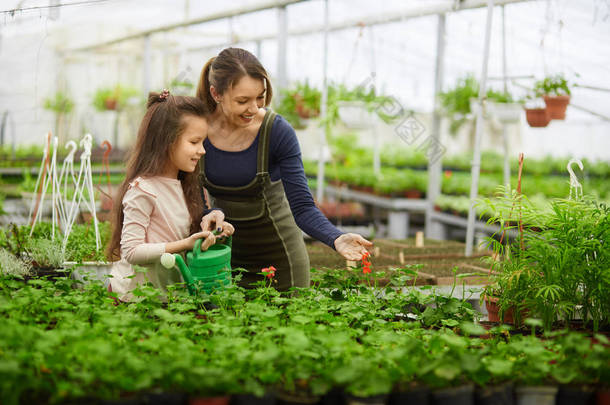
(269, 272)
(366, 264)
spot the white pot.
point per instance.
(506, 113)
(354, 114)
(86, 271)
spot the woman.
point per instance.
(253, 171)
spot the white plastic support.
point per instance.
(575, 186)
(40, 172)
(84, 181)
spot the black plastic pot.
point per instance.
(247, 399)
(335, 396)
(462, 395)
(289, 399)
(574, 395)
(164, 398)
(373, 400)
(419, 396)
(495, 395)
(538, 395)
(122, 401)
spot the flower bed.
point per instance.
(58, 343)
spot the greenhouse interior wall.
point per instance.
(465, 254)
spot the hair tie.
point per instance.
(164, 94)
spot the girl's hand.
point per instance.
(352, 246)
(210, 239)
(212, 221)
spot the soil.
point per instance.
(438, 258)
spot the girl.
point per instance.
(159, 206)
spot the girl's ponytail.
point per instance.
(203, 89)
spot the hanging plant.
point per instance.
(556, 94)
(111, 99)
(457, 101)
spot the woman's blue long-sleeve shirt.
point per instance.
(234, 169)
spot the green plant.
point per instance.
(113, 98)
(555, 85)
(299, 102)
(60, 103)
(558, 265)
(46, 252)
(11, 265)
(456, 100)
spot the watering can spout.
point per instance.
(169, 260)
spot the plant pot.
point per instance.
(574, 395)
(110, 104)
(165, 398)
(335, 396)
(209, 400)
(537, 117)
(50, 273)
(284, 398)
(373, 400)
(540, 395)
(86, 271)
(354, 114)
(495, 395)
(413, 194)
(556, 106)
(506, 113)
(493, 311)
(248, 399)
(419, 396)
(602, 397)
(462, 395)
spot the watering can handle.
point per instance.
(198, 242)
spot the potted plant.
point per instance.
(10, 265)
(60, 104)
(459, 102)
(531, 371)
(299, 103)
(113, 98)
(556, 94)
(536, 112)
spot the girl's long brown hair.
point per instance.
(225, 70)
(161, 127)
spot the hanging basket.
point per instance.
(537, 117)
(354, 114)
(556, 106)
(506, 113)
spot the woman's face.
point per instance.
(241, 102)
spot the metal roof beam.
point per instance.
(447, 6)
(194, 21)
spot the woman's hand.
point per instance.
(352, 246)
(227, 230)
(213, 221)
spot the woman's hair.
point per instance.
(161, 127)
(225, 70)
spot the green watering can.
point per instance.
(204, 271)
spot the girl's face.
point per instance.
(241, 103)
(185, 153)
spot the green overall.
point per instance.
(265, 231)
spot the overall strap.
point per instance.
(262, 161)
